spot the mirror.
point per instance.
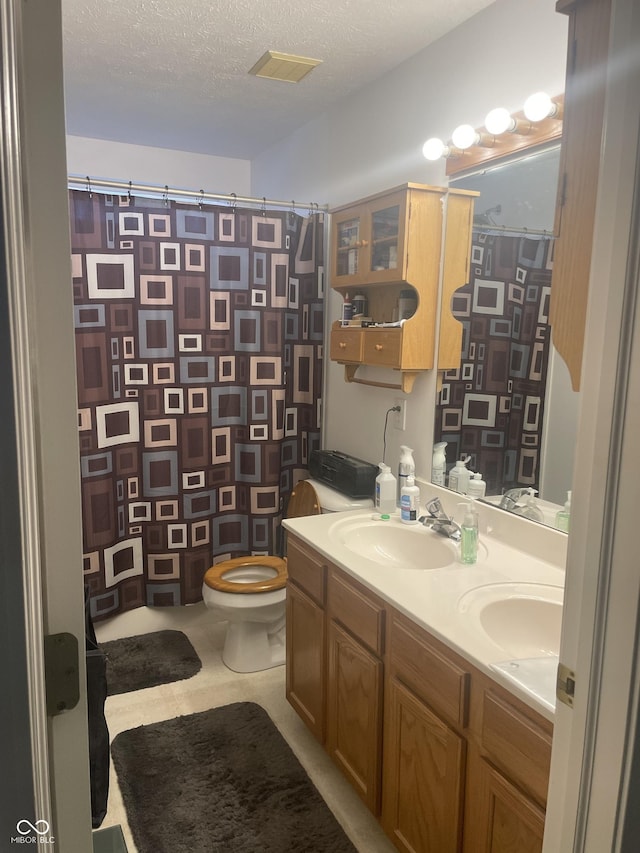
(510, 406)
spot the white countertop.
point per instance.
(437, 599)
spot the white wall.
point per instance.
(141, 164)
(372, 141)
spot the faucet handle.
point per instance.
(434, 508)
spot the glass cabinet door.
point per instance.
(349, 246)
(385, 231)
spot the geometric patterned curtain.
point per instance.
(199, 334)
(492, 407)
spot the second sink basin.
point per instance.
(391, 543)
(523, 619)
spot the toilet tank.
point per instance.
(332, 500)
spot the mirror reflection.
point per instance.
(508, 413)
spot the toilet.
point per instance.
(250, 592)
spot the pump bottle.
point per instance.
(406, 468)
(410, 501)
(439, 463)
(469, 535)
(563, 517)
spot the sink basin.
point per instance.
(523, 619)
(391, 543)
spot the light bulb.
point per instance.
(464, 136)
(499, 121)
(434, 148)
(539, 106)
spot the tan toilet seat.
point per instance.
(303, 501)
(214, 577)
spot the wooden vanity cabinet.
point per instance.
(426, 706)
(507, 774)
(388, 243)
(306, 635)
(449, 760)
(355, 685)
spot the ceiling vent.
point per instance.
(283, 66)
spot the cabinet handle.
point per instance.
(378, 347)
(342, 345)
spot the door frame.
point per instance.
(40, 319)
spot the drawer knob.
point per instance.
(378, 347)
(342, 345)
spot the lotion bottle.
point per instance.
(410, 501)
(385, 490)
(469, 535)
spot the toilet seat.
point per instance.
(303, 502)
(214, 577)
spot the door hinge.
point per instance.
(61, 668)
(565, 685)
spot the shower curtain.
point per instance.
(199, 332)
(492, 407)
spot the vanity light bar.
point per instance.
(503, 134)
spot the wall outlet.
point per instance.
(400, 418)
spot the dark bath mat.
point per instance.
(221, 781)
(148, 660)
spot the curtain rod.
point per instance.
(88, 183)
(534, 232)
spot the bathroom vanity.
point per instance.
(389, 665)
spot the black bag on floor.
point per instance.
(99, 756)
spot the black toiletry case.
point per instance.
(346, 474)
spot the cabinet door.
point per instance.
(424, 763)
(305, 685)
(500, 818)
(354, 714)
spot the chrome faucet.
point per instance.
(510, 499)
(439, 521)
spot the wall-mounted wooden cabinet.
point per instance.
(588, 48)
(390, 243)
(447, 759)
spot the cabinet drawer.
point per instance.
(306, 570)
(516, 743)
(357, 612)
(346, 345)
(382, 347)
(433, 676)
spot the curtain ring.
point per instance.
(89, 187)
(201, 202)
(165, 196)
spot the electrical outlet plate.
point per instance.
(400, 418)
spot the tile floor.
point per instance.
(216, 685)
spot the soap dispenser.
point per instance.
(531, 509)
(469, 535)
(563, 516)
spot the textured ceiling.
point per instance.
(175, 75)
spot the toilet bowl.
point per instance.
(250, 592)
